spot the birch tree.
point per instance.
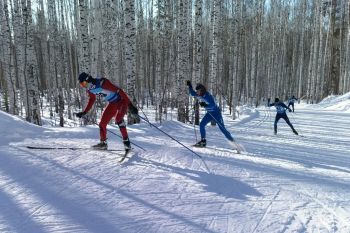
(182, 59)
(30, 67)
(213, 54)
(84, 63)
(130, 46)
(9, 62)
(198, 62)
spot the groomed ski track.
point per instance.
(283, 183)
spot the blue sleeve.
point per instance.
(285, 106)
(192, 92)
(209, 100)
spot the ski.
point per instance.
(126, 157)
(66, 148)
(219, 149)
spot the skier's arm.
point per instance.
(209, 101)
(92, 99)
(192, 92)
(285, 106)
(108, 85)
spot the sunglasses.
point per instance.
(84, 84)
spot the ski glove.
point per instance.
(203, 104)
(80, 114)
(188, 83)
(290, 110)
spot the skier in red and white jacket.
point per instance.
(118, 104)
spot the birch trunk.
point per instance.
(335, 51)
(84, 64)
(301, 50)
(9, 62)
(197, 52)
(31, 72)
(130, 46)
(213, 54)
(181, 92)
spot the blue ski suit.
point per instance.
(213, 113)
(281, 113)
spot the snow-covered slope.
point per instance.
(283, 183)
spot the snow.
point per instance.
(282, 183)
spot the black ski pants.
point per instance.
(285, 117)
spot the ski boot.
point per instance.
(101, 146)
(295, 132)
(201, 143)
(127, 144)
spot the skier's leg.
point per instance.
(218, 118)
(277, 118)
(205, 120)
(119, 120)
(122, 108)
(290, 124)
(107, 115)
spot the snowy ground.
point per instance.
(283, 183)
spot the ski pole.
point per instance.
(201, 158)
(170, 136)
(194, 123)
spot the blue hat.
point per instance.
(201, 88)
(83, 77)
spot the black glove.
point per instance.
(188, 83)
(80, 114)
(290, 110)
(133, 110)
(203, 104)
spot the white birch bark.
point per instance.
(318, 65)
(130, 47)
(159, 44)
(182, 59)
(84, 51)
(9, 62)
(301, 49)
(198, 42)
(19, 42)
(31, 71)
(94, 37)
(213, 55)
(346, 82)
(334, 50)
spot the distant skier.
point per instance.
(207, 101)
(118, 103)
(281, 113)
(291, 102)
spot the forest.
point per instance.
(243, 51)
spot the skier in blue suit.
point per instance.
(281, 113)
(207, 101)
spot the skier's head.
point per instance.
(200, 89)
(85, 79)
(277, 100)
